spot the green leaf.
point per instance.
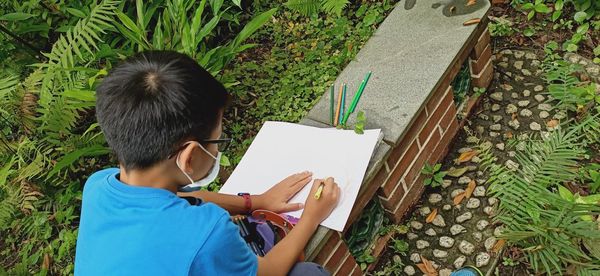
(580, 16)
(558, 5)
(76, 12)
(596, 60)
(15, 16)
(528, 32)
(224, 161)
(565, 193)
(583, 28)
(334, 6)
(304, 7)
(437, 167)
(237, 3)
(527, 6)
(70, 158)
(253, 25)
(542, 8)
(555, 15)
(454, 172)
(597, 50)
(531, 14)
(571, 47)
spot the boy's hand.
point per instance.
(276, 199)
(317, 210)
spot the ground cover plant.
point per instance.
(56, 52)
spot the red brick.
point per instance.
(406, 141)
(357, 272)
(484, 78)
(327, 249)
(347, 266)
(400, 169)
(435, 117)
(411, 198)
(448, 117)
(336, 258)
(438, 95)
(394, 197)
(477, 65)
(482, 42)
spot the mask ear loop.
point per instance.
(179, 153)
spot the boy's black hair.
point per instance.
(152, 102)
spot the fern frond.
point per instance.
(335, 6)
(304, 7)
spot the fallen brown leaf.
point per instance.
(552, 123)
(465, 156)
(509, 134)
(427, 267)
(431, 216)
(470, 189)
(458, 198)
(452, 9)
(498, 246)
(514, 116)
(472, 21)
(471, 2)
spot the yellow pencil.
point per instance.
(319, 191)
(339, 107)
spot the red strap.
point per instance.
(247, 202)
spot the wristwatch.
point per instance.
(247, 201)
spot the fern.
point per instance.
(335, 6)
(304, 7)
(545, 226)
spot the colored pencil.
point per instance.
(356, 98)
(343, 104)
(339, 107)
(331, 104)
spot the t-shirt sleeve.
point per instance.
(224, 253)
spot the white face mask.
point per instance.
(212, 175)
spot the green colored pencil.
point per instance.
(331, 104)
(356, 98)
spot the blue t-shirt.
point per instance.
(130, 230)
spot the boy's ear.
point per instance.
(185, 158)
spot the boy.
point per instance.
(161, 114)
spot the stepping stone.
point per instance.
(457, 229)
(466, 247)
(479, 191)
(464, 217)
(482, 259)
(473, 203)
(459, 262)
(482, 224)
(477, 236)
(446, 242)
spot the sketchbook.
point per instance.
(281, 149)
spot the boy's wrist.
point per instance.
(257, 202)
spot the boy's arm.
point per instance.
(284, 255)
(275, 199)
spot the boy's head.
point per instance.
(154, 102)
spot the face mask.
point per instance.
(212, 175)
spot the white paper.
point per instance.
(281, 149)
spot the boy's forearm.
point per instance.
(232, 203)
(284, 255)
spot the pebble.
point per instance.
(476, 159)
(473, 203)
(522, 136)
(518, 64)
(482, 224)
(416, 225)
(440, 253)
(492, 200)
(560, 115)
(496, 118)
(481, 181)
(526, 112)
(519, 78)
(446, 207)
(445, 272)
(496, 96)
(498, 231)
(535, 63)
(538, 88)
(500, 146)
(539, 98)
(507, 52)
(495, 107)
(510, 109)
(482, 259)
(544, 114)
(506, 87)
(512, 154)
(477, 236)
(411, 236)
(488, 210)
(439, 221)
(430, 232)
(514, 95)
(486, 145)
(489, 243)
(526, 72)
(457, 229)
(424, 211)
(530, 55)
(415, 258)
(514, 124)
(593, 70)
(464, 217)
(456, 192)
(464, 180)
(446, 183)
(519, 54)
(496, 127)
(421, 244)
(446, 242)
(472, 140)
(409, 270)
(480, 129)
(535, 126)
(526, 93)
(466, 247)
(494, 134)
(479, 191)
(503, 64)
(544, 106)
(459, 262)
(435, 198)
(523, 103)
(483, 116)
(465, 149)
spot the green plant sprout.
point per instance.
(436, 177)
(399, 246)
(478, 91)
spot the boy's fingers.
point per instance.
(300, 184)
(300, 176)
(293, 207)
